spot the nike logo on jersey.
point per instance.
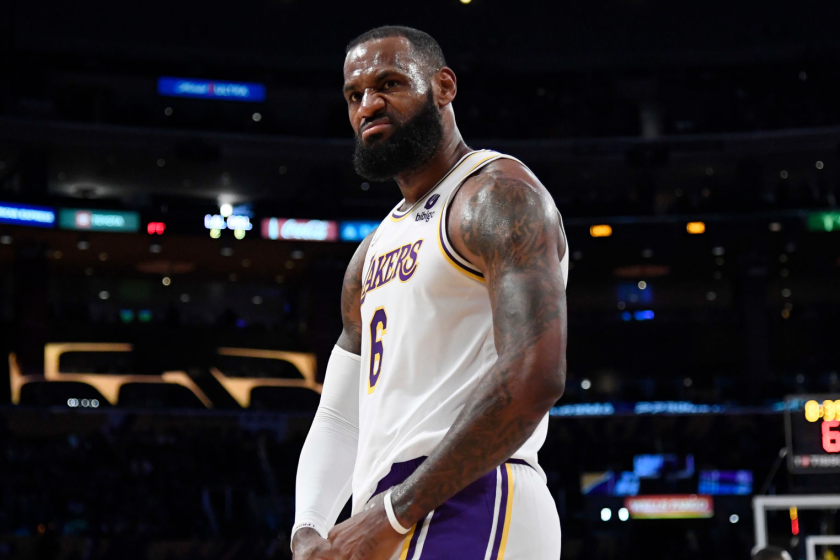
(401, 262)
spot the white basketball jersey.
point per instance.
(427, 335)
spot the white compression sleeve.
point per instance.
(325, 469)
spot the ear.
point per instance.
(445, 86)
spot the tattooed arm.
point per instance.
(351, 308)
(505, 223)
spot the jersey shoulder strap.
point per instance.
(467, 167)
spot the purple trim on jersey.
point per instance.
(398, 473)
(500, 525)
(459, 529)
(401, 471)
(394, 213)
(414, 538)
(443, 243)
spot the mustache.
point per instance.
(414, 140)
(373, 118)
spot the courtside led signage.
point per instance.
(98, 220)
(691, 506)
(26, 215)
(824, 221)
(211, 89)
(301, 230)
(357, 230)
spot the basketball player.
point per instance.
(437, 393)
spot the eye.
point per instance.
(353, 97)
(390, 84)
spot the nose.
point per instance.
(371, 104)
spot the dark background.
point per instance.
(640, 114)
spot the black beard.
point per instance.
(410, 146)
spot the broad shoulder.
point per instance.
(501, 175)
(504, 185)
(499, 208)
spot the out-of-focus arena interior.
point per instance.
(178, 205)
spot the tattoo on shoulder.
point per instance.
(513, 227)
(509, 224)
(504, 223)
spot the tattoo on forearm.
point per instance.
(509, 225)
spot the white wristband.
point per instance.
(298, 527)
(392, 518)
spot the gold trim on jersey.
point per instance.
(407, 543)
(508, 512)
(445, 247)
(451, 171)
(459, 267)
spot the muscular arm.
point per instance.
(351, 309)
(506, 224)
(329, 453)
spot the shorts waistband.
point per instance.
(401, 471)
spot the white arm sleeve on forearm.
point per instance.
(325, 469)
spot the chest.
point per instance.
(401, 258)
(408, 266)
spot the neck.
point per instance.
(416, 183)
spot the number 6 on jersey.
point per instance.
(378, 326)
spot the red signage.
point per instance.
(670, 507)
(156, 228)
(831, 436)
(303, 230)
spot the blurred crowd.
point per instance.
(122, 483)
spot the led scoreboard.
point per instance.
(813, 433)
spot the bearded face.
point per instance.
(413, 143)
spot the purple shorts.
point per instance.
(473, 525)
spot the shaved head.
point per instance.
(423, 46)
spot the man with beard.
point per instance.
(437, 393)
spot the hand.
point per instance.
(368, 535)
(309, 545)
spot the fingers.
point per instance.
(321, 553)
(314, 547)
